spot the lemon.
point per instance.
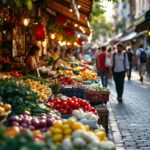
(58, 138)
(67, 131)
(58, 124)
(65, 126)
(101, 135)
(77, 126)
(56, 130)
(87, 128)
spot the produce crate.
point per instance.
(103, 113)
(97, 97)
(65, 116)
(72, 91)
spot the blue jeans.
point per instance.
(104, 77)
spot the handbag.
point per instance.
(108, 62)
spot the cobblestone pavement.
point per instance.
(130, 120)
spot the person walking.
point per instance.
(141, 58)
(130, 58)
(109, 54)
(103, 71)
(120, 65)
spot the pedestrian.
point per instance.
(148, 60)
(109, 54)
(130, 58)
(120, 65)
(141, 58)
(103, 71)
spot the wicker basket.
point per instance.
(96, 97)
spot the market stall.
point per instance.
(54, 109)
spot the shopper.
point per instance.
(141, 58)
(119, 67)
(130, 58)
(103, 71)
(31, 60)
(109, 54)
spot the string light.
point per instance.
(78, 35)
(76, 25)
(26, 21)
(79, 6)
(52, 36)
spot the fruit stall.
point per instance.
(54, 112)
(63, 107)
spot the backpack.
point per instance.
(143, 57)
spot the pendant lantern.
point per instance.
(69, 32)
(39, 32)
(61, 20)
(79, 42)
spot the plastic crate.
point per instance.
(96, 97)
(65, 116)
(103, 113)
(72, 91)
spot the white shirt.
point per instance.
(119, 65)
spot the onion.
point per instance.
(43, 114)
(31, 127)
(26, 113)
(43, 129)
(15, 123)
(21, 116)
(36, 123)
(23, 124)
(42, 117)
(49, 121)
(42, 123)
(15, 118)
(49, 115)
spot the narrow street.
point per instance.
(130, 120)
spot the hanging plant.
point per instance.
(61, 20)
(39, 32)
(22, 3)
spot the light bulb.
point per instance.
(26, 21)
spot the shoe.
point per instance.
(119, 99)
(141, 79)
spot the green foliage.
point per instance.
(55, 88)
(22, 3)
(99, 24)
(21, 97)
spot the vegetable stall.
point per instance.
(39, 109)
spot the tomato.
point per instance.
(70, 111)
(63, 111)
(57, 106)
(76, 105)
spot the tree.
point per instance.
(99, 24)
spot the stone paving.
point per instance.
(130, 120)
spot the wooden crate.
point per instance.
(96, 98)
(103, 113)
